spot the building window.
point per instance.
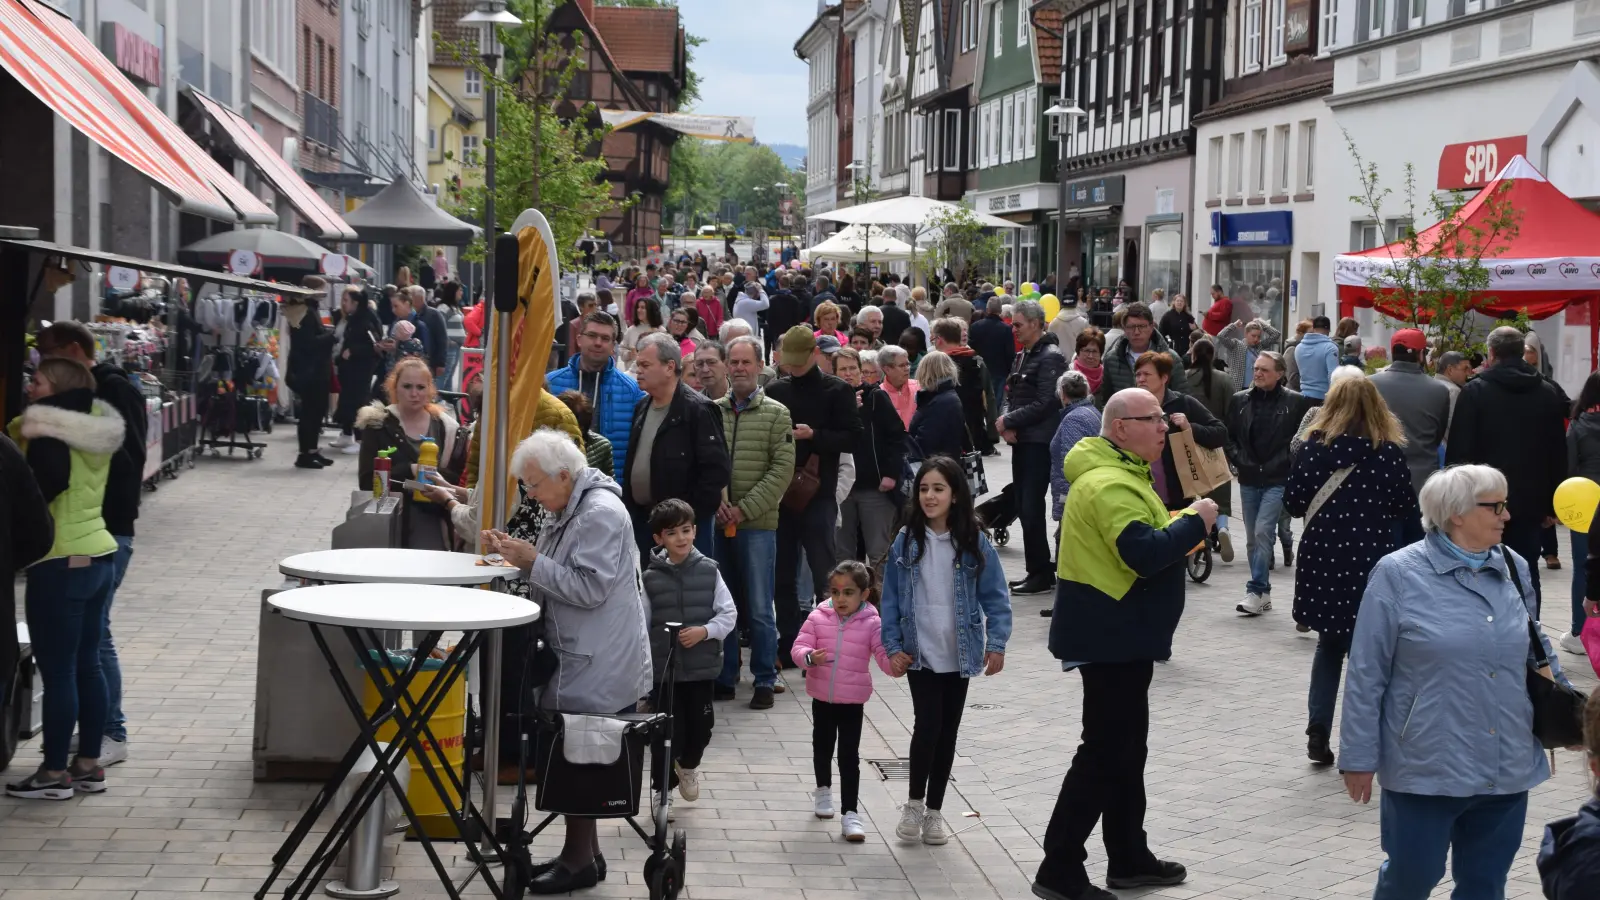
(1275, 49)
(310, 68)
(1180, 58)
(1585, 17)
(1308, 156)
(471, 145)
(966, 25)
(999, 35)
(1417, 13)
(1235, 165)
(472, 79)
(1258, 162)
(1280, 156)
(1214, 169)
(1022, 26)
(1158, 59)
(1250, 45)
(1375, 17)
(433, 140)
(1008, 141)
(951, 162)
(1328, 35)
(1119, 32)
(1033, 124)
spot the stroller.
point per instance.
(600, 790)
(997, 513)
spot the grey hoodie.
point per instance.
(595, 613)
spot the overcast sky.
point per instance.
(747, 64)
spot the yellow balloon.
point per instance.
(1576, 499)
(999, 292)
(1051, 306)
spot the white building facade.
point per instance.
(1455, 90)
(819, 47)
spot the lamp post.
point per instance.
(866, 230)
(1065, 113)
(489, 16)
(783, 194)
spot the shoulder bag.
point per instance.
(1327, 490)
(972, 463)
(803, 487)
(1557, 708)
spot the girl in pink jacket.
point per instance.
(835, 647)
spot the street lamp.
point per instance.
(866, 231)
(1065, 113)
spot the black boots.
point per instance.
(1317, 748)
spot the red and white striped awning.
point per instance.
(276, 170)
(49, 56)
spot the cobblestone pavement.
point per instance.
(1231, 794)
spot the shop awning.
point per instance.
(193, 275)
(276, 170)
(55, 61)
(1086, 213)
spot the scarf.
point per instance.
(1093, 374)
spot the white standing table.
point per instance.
(362, 611)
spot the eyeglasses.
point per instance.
(1498, 507)
(598, 336)
(1150, 418)
(1132, 328)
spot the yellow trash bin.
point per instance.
(448, 726)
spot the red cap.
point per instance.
(1409, 338)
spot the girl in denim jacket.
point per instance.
(946, 617)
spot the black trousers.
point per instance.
(838, 724)
(1106, 780)
(812, 530)
(355, 391)
(313, 409)
(937, 699)
(1523, 536)
(692, 721)
(1549, 543)
(1030, 472)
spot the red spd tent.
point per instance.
(1552, 263)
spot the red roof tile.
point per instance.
(449, 36)
(641, 39)
(1047, 41)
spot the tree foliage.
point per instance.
(1437, 285)
(705, 173)
(961, 242)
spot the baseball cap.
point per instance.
(1409, 338)
(794, 348)
(828, 344)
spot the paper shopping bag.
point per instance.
(1200, 470)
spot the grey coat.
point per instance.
(586, 576)
(1423, 407)
(1230, 343)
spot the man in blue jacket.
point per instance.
(1316, 356)
(594, 373)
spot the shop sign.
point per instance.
(1296, 26)
(243, 262)
(1259, 229)
(1476, 163)
(122, 278)
(335, 265)
(1108, 191)
(1033, 196)
(133, 54)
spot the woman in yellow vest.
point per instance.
(69, 437)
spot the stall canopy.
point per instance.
(904, 211)
(400, 214)
(281, 254)
(330, 225)
(860, 243)
(57, 63)
(1551, 263)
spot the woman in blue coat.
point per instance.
(1353, 445)
(939, 426)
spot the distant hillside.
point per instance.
(791, 154)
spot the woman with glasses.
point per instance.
(1436, 702)
(1349, 482)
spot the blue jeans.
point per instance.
(1580, 553)
(110, 666)
(1263, 505)
(756, 553)
(1482, 834)
(66, 613)
(1327, 670)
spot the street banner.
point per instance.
(738, 129)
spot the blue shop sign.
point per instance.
(1257, 229)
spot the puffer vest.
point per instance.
(686, 594)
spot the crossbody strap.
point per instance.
(1535, 646)
(1326, 491)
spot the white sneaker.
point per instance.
(1571, 643)
(688, 783)
(1255, 604)
(911, 816)
(350, 449)
(822, 803)
(341, 441)
(113, 751)
(933, 830)
(851, 828)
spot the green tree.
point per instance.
(1437, 284)
(961, 241)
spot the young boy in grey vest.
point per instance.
(684, 586)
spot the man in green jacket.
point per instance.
(760, 436)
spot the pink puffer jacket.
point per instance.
(846, 677)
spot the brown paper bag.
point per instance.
(1200, 470)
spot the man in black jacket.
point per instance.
(1261, 423)
(991, 337)
(124, 487)
(895, 319)
(826, 425)
(784, 311)
(676, 448)
(436, 338)
(26, 533)
(1032, 412)
(1513, 418)
(972, 383)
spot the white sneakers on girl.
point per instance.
(911, 818)
(822, 803)
(851, 828)
(933, 830)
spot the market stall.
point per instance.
(1550, 263)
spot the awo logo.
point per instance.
(1567, 268)
(1505, 271)
(1536, 269)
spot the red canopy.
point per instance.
(1553, 262)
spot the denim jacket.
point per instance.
(1435, 700)
(983, 605)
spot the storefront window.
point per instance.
(221, 52)
(1105, 258)
(1027, 253)
(1163, 264)
(192, 43)
(1259, 282)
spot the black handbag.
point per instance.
(1557, 708)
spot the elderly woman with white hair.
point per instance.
(939, 426)
(584, 572)
(1435, 701)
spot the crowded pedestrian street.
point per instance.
(1231, 793)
